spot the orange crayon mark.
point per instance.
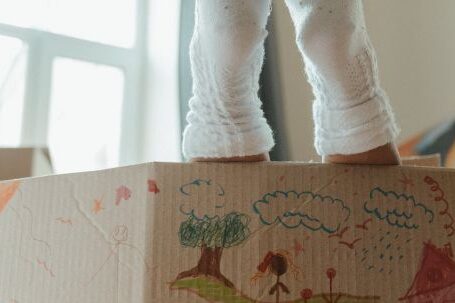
(7, 192)
(97, 206)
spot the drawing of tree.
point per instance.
(212, 235)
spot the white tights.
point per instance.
(351, 112)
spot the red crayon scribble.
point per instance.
(65, 221)
(350, 245)
(341, 233)
(364, 224)
(281, 178)
(435, 188)
(407, 182)
(45, 267)
(435, 278)
(122, 193)
(153, 186)
(298, 247)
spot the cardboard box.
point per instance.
(428, 160)
(201, 232)
(24, 162)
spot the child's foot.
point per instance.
(255, 158)
(383, 155)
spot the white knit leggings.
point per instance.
(351, 112)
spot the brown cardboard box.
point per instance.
(24, 162)
(243, 233)
(428, 160)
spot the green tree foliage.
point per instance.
(224, 232)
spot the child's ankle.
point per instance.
(254, 158)
(383, 155)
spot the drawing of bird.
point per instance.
(341, 233)
(364, 224)
(350, 245)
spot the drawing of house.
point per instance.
(435, 280)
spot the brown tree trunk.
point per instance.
(209, 265)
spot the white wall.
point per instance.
(415, 42)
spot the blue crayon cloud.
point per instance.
(292, 209)
(397, 210)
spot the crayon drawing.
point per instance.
(292, 209)
(435, 280)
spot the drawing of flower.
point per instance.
(331, 274)
(306, 294)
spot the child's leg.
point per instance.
(354, 122)
(225, 119)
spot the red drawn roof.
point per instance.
(437, 272)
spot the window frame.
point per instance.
(44, 47)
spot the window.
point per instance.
(111, 22)
(86, 105)
(70, 78)
(13, 60)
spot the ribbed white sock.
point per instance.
(352, 113)
(227, 52)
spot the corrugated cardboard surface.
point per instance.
(428, 160)
(230, 233)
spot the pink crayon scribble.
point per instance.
(45, 267)
(406, 181)
(299, 247)
(64, 221)
(122, 193)
(153, 186)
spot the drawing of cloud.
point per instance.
(200, 186)
(293, 209)
(398, 210)
(205, 192)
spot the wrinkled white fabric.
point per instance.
(352, 113)
(227, 53)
